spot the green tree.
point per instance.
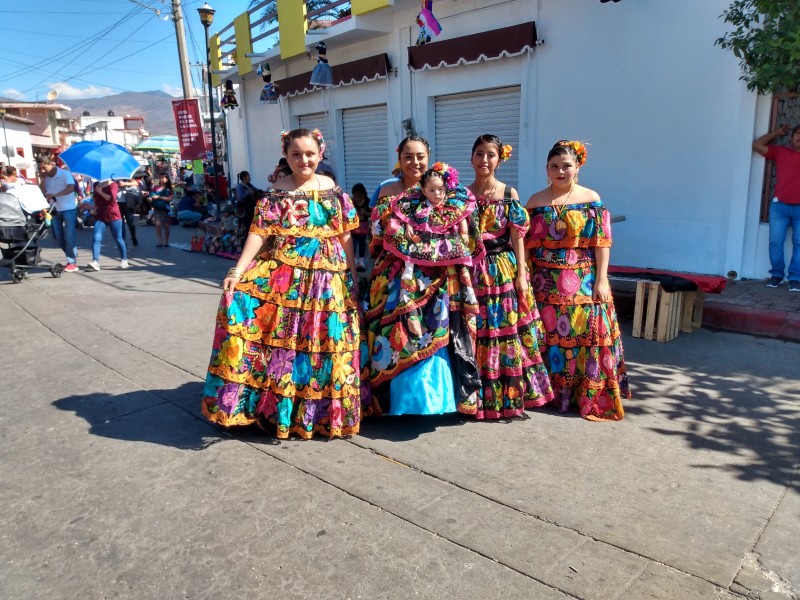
(766, 40)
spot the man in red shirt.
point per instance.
(784, 210)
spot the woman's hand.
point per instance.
(521, 283)
(602, 290)
(234, 275)
(230, 282)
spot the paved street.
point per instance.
(114, 486)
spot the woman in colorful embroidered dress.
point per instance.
(569, 244)
(285, 352)
(513, 374)
(422, 308)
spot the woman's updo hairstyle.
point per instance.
(572, 148)
(504, 152)
(488, 138)
(287, 137)
(413, 138)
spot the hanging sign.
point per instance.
(190, 128)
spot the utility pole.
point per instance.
(183, 55)
(180, 35)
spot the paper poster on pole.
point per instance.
(190, 128)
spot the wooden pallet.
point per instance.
(661, 315)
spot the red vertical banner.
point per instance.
(190, 128)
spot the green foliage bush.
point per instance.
(766, 40)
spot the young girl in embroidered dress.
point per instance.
(422, 308)
(509, 328)
(569, 243)
(286, 348)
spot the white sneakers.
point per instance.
(95, 266)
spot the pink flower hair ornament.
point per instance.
(321, 140)
(448, 174)
(316, 133)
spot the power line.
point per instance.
(75, 77)
(57, 12)
(89, 46)
(64, 53)
(117, 71)
(63, 35)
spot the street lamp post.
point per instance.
(207, 17)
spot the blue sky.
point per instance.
(94, 48)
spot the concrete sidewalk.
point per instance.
(115, 487)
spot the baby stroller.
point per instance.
(24, 222)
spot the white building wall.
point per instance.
(109, 129)
(664, 113)
(17, 135)
(254, 131)
(668, 122)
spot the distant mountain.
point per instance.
(154, 106)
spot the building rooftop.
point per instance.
(29, 105)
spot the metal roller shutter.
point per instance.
(319, 121)
(315, 121)
(460, 118)
(366, 138)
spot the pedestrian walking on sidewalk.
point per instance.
(59, 187)
(246, 195)
(784, 210)
(161, 199)
(128, 198)
(569, 246)
(107, 215)
(286, 346)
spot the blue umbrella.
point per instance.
(100, 160)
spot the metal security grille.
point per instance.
(366, 139)
(319, 121)
(460, 118)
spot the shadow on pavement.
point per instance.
(731, 413)
(406, 427)
(153, 416)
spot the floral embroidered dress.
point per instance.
(286, 346)
(583, 348)
(509, 328)
(422, 307)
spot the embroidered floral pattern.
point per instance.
(513, 374)
(286, 346)
(420, 280)
(583, 348)
(415, 230)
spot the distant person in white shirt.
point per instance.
(59, 186)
